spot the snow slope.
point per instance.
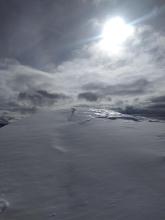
(73, 165)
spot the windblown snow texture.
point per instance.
(73, 165)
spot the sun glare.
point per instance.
(115, 33)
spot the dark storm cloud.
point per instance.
(137, 87)
(157, 106)
(159, 99)
(40, 98)
(89, 96)
(151, 107)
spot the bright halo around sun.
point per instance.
(115, 33)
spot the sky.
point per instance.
(49, 55)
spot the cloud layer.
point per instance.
(134, 78)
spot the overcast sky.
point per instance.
(49, 54)
(42, 31)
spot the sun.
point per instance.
(115, 33)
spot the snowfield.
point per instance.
(82, 165)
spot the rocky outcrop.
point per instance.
(3, 122)
(3, 205)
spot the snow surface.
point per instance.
(81, 165)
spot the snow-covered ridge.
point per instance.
(110, 114)
(90, 114)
